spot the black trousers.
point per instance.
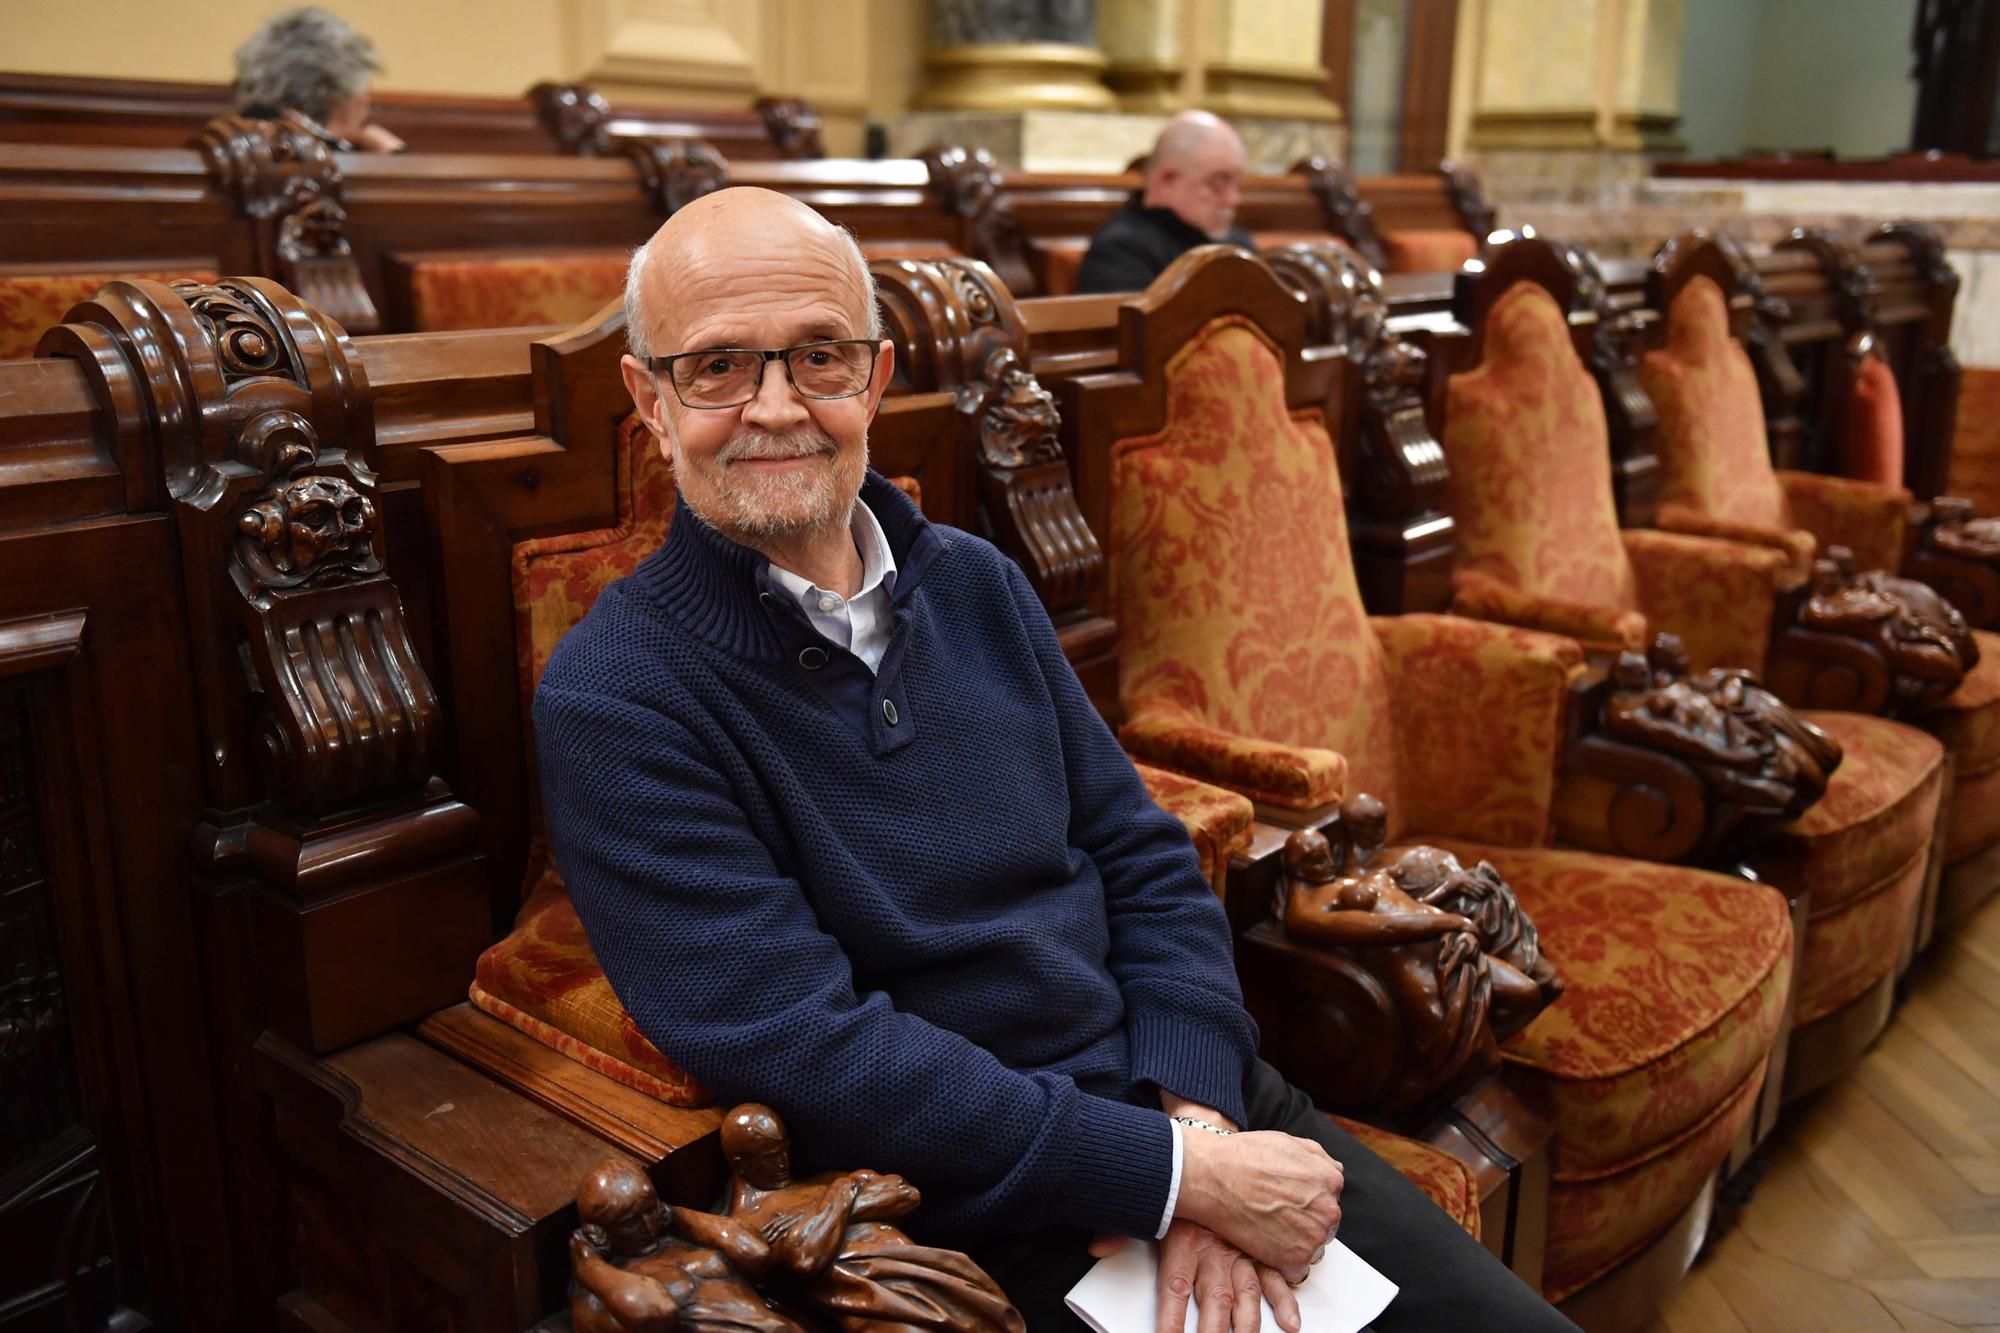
(1448, 1280)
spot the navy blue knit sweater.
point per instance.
(931, 916)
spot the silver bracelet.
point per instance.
(1193, 1123)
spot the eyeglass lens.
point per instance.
(819, 370)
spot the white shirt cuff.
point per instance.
(1173, 1184)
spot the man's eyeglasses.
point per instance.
(719, 377)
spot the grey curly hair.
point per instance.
(305, 60)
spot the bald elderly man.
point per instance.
(849, 839)
(1194, 180)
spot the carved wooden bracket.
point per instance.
(1931, 376)
(1629, 413)
(1347, 214)
(1868, 642)
(1468, 199)
(957, 329)
(1958, 553)
(1391, 986)
(576, 117)
(676, 172)
(1668, 766)
(966, 184)
(284, 179)
(783, 1255)
(794, 126)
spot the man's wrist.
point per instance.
(1178, 1107)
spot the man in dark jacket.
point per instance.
(1194, 180)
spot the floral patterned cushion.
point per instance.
(1428, 249)
(507, 291)
(1969, 725)
(32, 303)
(1676, 989)
(1437, 1173)
(1229, 571)
(1715, 458)
(1871, 445)
(1870, 520)
(1861, 851)
(1719, 596)
(1530, 488)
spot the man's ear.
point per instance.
(644, 387)
(885, 370)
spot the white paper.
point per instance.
(1121, 1294)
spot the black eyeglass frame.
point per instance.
(664, 365)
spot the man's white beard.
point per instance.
(787, 505)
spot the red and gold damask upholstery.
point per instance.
(1969, 725)
(1716, 477)
(1677, 978)
(31, 303)
(1530, 495)
(510, 291)
(1871, 441)
(1428, 249)
(1448, 1181)
(1677, 984)
(1975, 441)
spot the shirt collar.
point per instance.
(878, 562)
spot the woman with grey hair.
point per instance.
(312, 67)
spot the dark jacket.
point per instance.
(930, 915)
(1138, 243)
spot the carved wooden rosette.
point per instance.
(1868, 642)
(575, 116)
(676, 172)
(1669, 766)
(794, 126)
(1346, 213)
(317, 717)
(283, 177)
(1402, 537)
(1384, 984)
(966, 185)
(956, 329)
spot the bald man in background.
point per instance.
(1194, 180)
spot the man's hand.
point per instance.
(1272, 1196)
(1227, 1287)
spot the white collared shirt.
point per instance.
(861, 623)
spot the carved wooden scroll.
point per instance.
(576, 117)
(957, 329)
(317, 718)
(676, 172)
(1398, 980)
(1468, 199)
(1347, 214)
(794, 126)
(784, 1255)
(1870, 641)
(1958, 553)
(283, 177)
(966, 184)
(1402, 537)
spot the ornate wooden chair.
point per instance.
(1246, 659)
(1716, 479)
(1540, 545)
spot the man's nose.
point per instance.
(777, 405)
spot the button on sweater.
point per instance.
(929, 914)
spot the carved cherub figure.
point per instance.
(642, 1267)
(1924, 636)
(831, 1235)
(1018, 422)
(1506, 934)
(309, 525)
(1961, 532)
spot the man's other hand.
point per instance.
(1226, 1285)
(1272, 1196)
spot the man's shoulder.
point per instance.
(621, 647)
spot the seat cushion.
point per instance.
(1675, 989)
(1969, 725)
(1428, 249)
(30, 303)
(1446, 1180)
(508, 291)
(1860, 852)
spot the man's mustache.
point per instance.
(766, 446)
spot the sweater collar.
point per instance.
(712, 584)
